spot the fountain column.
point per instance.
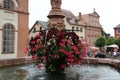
(56, 15)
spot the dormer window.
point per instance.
(8, 4)
(78, 21)
(71, 21)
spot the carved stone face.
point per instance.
(56, 3)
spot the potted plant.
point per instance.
(56, 49)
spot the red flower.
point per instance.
(63, 40)
(74, 48)
(70, 43)
(44, 51)
(26, 50)
(77, 52)
(56, 56)
(38, 40)
(39, 66)
(79, 45)
(38, 35)
(62, 66)
(62, 44)
(43, 58)
(32, 42)
(33, 56)
(61, 50)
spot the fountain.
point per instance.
(78, 72)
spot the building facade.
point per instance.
(93, 28)
(14, 19)
(117, 31)
(70, 22)
(74, 23)
(39, 25)
(86, 26)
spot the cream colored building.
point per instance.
(74, 23)
(39, 25)
(70, 21)
(13, 28)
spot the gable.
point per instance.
(95, 14)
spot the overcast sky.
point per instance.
(108, 10)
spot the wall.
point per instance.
(12, 18)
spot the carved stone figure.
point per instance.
(56, 15)
(56, 3)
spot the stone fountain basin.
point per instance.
(92, 70)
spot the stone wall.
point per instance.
(95, 61)
(18, 61)
(106, 61)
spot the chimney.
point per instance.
(80, 15)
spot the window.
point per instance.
(78, 21)
(77, 28)
(71, 21)
(8, 39)
(81, 29)
(119, 30)
(8, 4)
(73, 28)
(81, 38)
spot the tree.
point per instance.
(110, 41)
(100, 42)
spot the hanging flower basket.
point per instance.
(56, 49)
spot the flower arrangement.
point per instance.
(57, 49)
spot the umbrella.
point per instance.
(113, 45)
(94, 48)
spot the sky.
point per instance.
(108, 11)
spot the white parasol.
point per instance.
(113, 45)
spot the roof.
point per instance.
(68, 14)
(42, 23)
(70, 17)
(118, 26)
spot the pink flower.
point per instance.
(38, 35)
(34, 49)
(79, 45)
(70, 60)
(26, 50)
(63, 40)
(33, 56)
(37, 47)
(74, 48)
(56, 56)
(32, 42)
(70, 42)
(77, 52)
(62, 44)
(62, 66)
(39, 66)
(44, 51)
(67, 53)
(38, 40)
(61, 50)
(43, 57)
